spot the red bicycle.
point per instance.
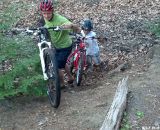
(77, 59)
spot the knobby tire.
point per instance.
(54, 91)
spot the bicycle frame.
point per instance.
(80, 48)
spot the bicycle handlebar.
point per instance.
(31, 30)
(58, 28)
(79, 36)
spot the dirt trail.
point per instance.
(80, 108)
(83, 109)
(145, 94)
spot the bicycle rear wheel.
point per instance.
(53, 92)
(79, 71)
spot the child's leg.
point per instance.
(96, 59)
(89, 62)
(97, 62)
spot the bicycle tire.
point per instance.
(79, 71)
(53, 87)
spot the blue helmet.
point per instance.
(87, 25)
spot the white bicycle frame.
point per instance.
(41, 54)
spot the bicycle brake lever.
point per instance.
(57, 28)
(29, 31)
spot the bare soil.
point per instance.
(85, 107)
(145, 93)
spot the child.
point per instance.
(92, 48)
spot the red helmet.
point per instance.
(46, 5)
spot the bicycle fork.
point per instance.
(41, 55)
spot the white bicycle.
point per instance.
(48, 64)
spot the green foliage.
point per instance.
(154, 27)
(23, 73)
(139, 114)
(12, 12)
(20, 69)
(125, 125)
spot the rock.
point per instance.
(43, 121)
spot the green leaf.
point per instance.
(139, 114)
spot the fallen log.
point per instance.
(114, 116)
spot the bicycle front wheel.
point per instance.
(53, 92)
(79, 72)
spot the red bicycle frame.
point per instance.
(76, 54)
